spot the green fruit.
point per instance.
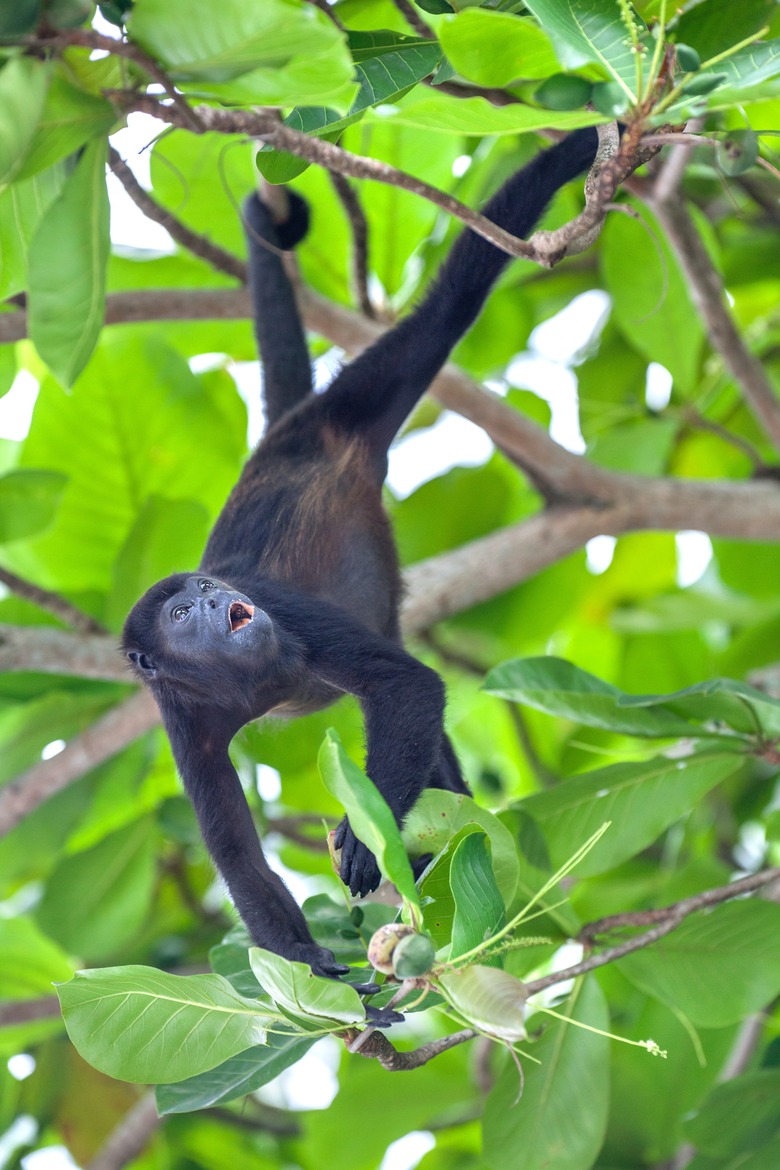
(610, 98)
(563, 91)
(688, 59)
(413, 956)
(704, 83)
(737, 152)
(18, 17)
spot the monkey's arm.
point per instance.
(267, 907)
(278, 329)
(374, 394)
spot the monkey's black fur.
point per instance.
(296, 599)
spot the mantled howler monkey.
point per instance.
(296, 598)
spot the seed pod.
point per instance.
(383, 944)
(737, 152)
(688, 59)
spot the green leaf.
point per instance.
(558, 687)
(276, 48)
(739, 1116)
(737, 152)
(22, 206)
(68, 256)
(719, 700)
(650, 298)
(496, 48)
(590, 32)
(29, 961)
(138, 1024)
(237, 1077)
(490, 1000)
(96, 900)
(751, 65)
(70, 118)
(479, 907)
(560, 1120)
(297, 990)
(448, 115)
(369, 816)
(23, 85)
(641, 799)
(28, 502)
(717, 967)
(438, 816)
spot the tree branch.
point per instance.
(543, 248)
(130, 1137)
(121, 726)
(665, 920)
(378, 1047)
(707, 292)
(45, 650)
(359, 225)
(53, 603)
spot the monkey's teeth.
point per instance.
(240, 614)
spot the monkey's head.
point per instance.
(199, 637)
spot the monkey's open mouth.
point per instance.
(240, 614)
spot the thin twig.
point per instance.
(359, 226)
(53, 603)
(199, 245)
(665, 920)
(378, 1047)
(414, 20)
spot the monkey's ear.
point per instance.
(142, 662)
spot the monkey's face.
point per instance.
(201, 635)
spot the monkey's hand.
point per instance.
(320, 959)
(359, 870)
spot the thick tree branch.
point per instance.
(44, 650)
(119, 727)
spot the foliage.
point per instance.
(623, 750)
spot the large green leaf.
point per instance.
(236, 1077)
(28, 501)
(717, 967)
(68, 257)
(479, 907)
(29, 961)
(641, 799)
(443, 114)
(70, 118)
(560, 1119)
(558, 687)
(96, 900)
(143, 1025)
(650, 298)
(371, 820)
(297, 990)
(718, 700)
(283, 43)
(22, 206)
(438, 816)
(23, 85)
(495, 48)
(739, 1116)
(590, 31)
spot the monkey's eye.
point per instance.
(180, 613)
(205, 585)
